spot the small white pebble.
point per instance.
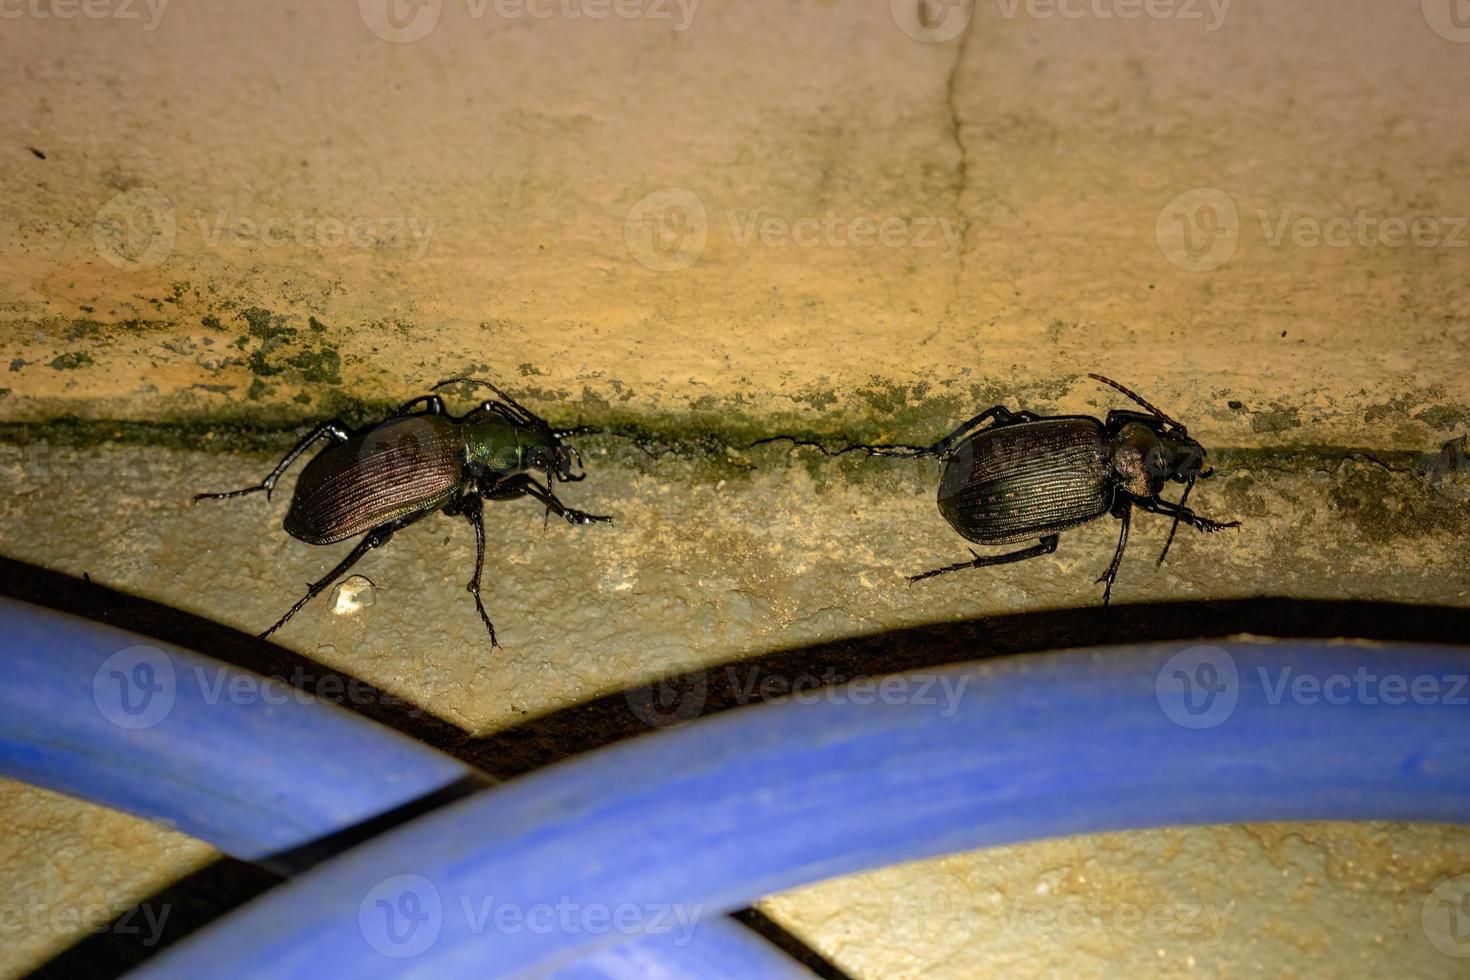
(352, 596)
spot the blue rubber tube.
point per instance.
(177, 738)
(249, 764)
(710, 817)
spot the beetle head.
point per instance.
(1184, 458)
(546, 451)
(1181, 458)
(565, 457)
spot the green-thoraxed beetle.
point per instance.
(1024, 477)
(385, 477)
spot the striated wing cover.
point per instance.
(394, 469)
(1024, 481)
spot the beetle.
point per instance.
(1023, 476)
(382, 478)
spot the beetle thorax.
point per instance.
(1139, 462)
(497, 447)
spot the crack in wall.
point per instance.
(962, 168)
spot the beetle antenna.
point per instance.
(529, 415)
(894, 449)
(1136, 397)
(1175, 527)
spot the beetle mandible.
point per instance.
(1027, 477)
(385, 477)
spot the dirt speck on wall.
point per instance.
(700, 225)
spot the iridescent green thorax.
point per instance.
(502, 447)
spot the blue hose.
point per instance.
(221, 754)
(249, 764)
(690, 823)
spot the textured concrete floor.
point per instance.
(710, 562)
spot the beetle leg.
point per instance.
(1124, 511)
(525, 484)
(1000, 413)
(373, 539)
(473, 511)
(334, 428)
(434, 405)
(1186, 515)
(1047, 546)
